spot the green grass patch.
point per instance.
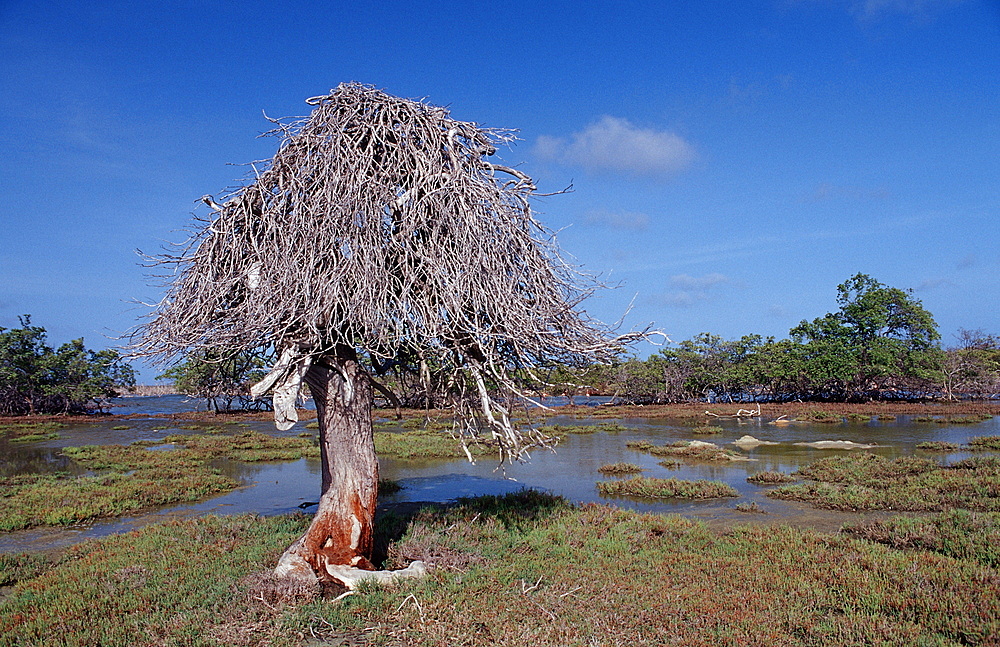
(561, 431)
(247, 446)
(165, 584)
(821, 416)
(872, 482)
(207, 429)
(708, 430)
(120, 427)
(619, 468)
(428, 443)
(687, 450)
(15, 567)
(956, 533)
(937, 446)
(426, 424)
(34, 438)
(31, 432)
(770, 478)
(525, 569)
(969, 420)
(128, 479)
(653, 488)
(985, 442)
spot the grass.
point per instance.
(985, 442)
(937, 446)
(525, 569)
(770, 478)
(709, 430)
(821, 416)
(956, 533)
(427, 443)
(653, 488)
(207, 429)
(125, 479)
(31, 432)
(619, 468)
(247, 446)
(561, 431)
(128, 479)
(970, 419)
(872, 482)
(15, 567)
(34, 438)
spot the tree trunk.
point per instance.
(341, 530)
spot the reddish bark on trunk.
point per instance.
(341, 530)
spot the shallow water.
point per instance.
(570, 471)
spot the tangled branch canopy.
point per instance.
(381, 224)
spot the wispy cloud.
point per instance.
(687, 281)
(872, 10)
(869, 9)
(933, 284)
(614, 144)
(825, 191)
(689, 290)
(628, 220)
(968, 261)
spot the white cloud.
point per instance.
(614, 144)
(629, 220)
(686, 281)
(682, 299)
(690, 290)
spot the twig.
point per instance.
(416, 602)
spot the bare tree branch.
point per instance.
(380, 225)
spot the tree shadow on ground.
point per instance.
(510, 510)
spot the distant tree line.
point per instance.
(221, 380)
(881, 344)
(38, 379)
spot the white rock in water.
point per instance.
(836, 444)
(750, 442)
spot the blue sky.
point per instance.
(732, 162)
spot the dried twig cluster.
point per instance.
(382, 224)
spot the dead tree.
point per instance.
(380, 236)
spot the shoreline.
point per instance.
(683, 411)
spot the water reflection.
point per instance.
(570, 471)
